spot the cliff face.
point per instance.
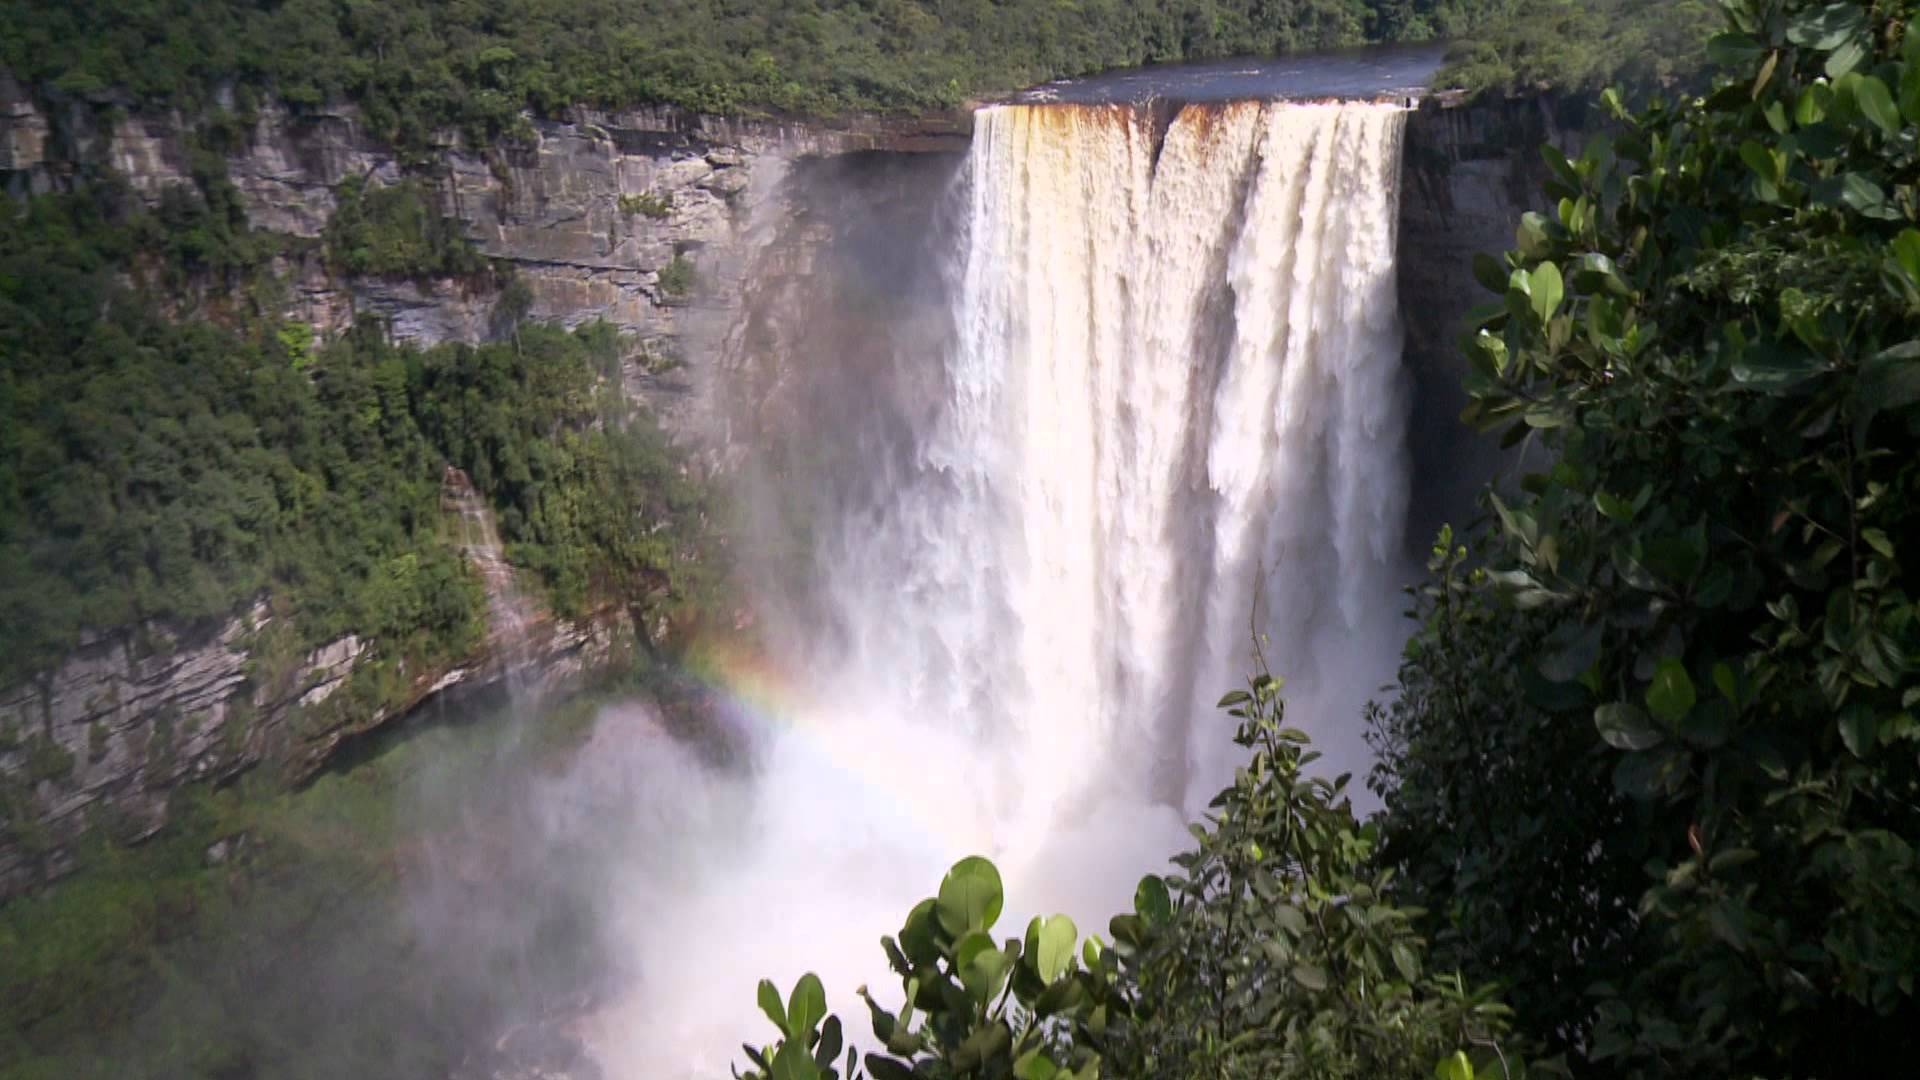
(103, 740)
(778, 221)
(589, 213)
(1470, 171)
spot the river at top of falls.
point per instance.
(1168, 417)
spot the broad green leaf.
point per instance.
(1770, 367)
(1548, 290)
(1532, 236)
(1035, 1065)
(1571, 650)
(1847, 57)
(830, 1044)
(1596, 272)
(1050, 946)
(883, 1068)
(982, 1045)
(1827, 28)
(1291, 919)
(770, 1004)
(1876, 103)
(1890, 380)
(1648, 773)
(806, 1007)
(918, 937)
(970, 896)
(1152, 902)
(793, 1062)
(1776, 112)
(1859, 729)
(1671, 693)
(1405, 961)
(1731, 858)
(1906, 253)
(1626, 727)
(1811, 107)
(1562, 168)
(982, 965)
(1734, 50)
(1762, 161)
(1724, 681)
(1613, 507)
(1311, 976)
(1456, 1067)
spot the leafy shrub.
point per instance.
(677, 278)
(152, 469)
(1274, 952)
(1653, 762)
(397, 231)
(648, 204)
(418, 69)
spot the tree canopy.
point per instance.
(170, 448)
(416, 67)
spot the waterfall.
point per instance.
(1169, 414)
(1174, 387)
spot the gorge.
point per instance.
(1168, 413)
(1138, 331)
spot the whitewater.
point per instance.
(1170, 421)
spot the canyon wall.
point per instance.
(589, 213)
(1470, 170)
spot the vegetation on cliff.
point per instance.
(417, 67)
(173, 449)
(1583, 46)
(1653, 770)
(270, 932)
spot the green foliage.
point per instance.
(1655, 764)
(647, 204)
(590, 498)
(417, 67)
(1273, 953)
(397, 231)
(678, 277)
(1580, 45)
(160, 469)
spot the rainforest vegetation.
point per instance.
(416, 67)
(1651, 773)
(172, 448)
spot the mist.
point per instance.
(1034, 453)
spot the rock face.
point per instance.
(1470, 171)
(104, 740)
(591, 212)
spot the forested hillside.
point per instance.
(173, 449)
(416, 66)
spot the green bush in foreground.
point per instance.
(1273, 952)
(1655, 765)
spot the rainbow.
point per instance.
(895, 766)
